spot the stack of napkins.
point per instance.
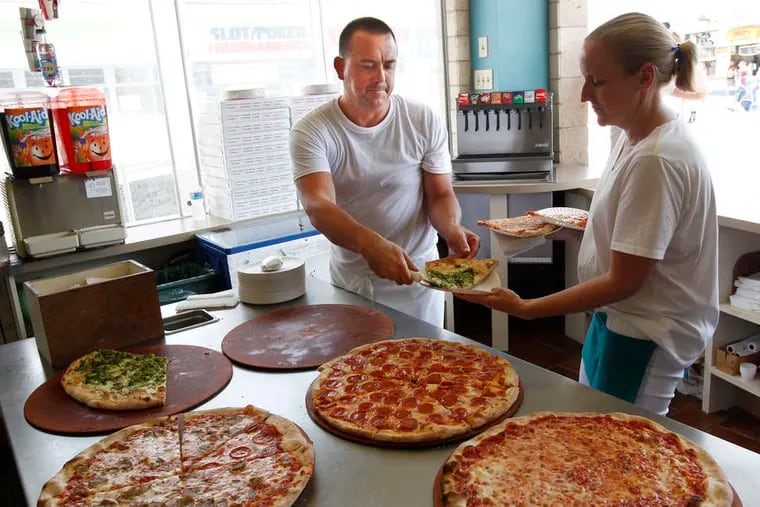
(747, 295)
(223, 299)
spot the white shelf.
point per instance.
(748, 315)
(752, 386)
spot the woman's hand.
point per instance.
(500, 299)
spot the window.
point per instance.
(727, 123)
(159, 62)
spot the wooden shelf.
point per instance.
(752, 386)
(748, 315)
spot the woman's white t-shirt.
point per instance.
(655, 199)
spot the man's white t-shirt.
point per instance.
(377, 172)
(656, 200)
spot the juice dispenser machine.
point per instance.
(505, 135)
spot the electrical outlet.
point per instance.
(484, 79)
(483, 47)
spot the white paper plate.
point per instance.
(554, 216)
(512, 245)
(491, 282)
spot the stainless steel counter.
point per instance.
(346, 474)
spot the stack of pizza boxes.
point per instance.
(245, 159)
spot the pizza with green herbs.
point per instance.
(456, 273)
(117, 380)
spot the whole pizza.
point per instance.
(199, 458)
(581, 459)
(414, 390)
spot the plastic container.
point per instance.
(28, 134)
(196, 204)
(81, 123)
(48, 61)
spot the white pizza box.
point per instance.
(275, 177)
(238, 128)
(231, 207)
(240, 141)
(235, 165)
(242, 109)
(248, 173)
(113, 306)
(243, 149)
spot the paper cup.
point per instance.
(748, 370)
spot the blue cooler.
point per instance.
(285, 235)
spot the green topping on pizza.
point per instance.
(123, 371)
(457, 279)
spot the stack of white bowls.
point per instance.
(258, 286)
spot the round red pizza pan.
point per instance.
(304, 337)
(325, 425)
(438, 488)
(194, 375)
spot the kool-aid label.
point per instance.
(29, 137)
(89, 133)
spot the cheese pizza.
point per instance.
(459, 273)
(245, 454)
(117, 380)
(524, 226)
(414, 390)
(580, 459)
(573, 218)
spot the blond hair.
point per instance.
(636, 39)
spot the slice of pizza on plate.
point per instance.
(457, 273)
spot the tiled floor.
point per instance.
(542, 342)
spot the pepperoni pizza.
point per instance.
(414, 390)
(199, 458)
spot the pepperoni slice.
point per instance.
(437, 418)
(383, 411)
(448, 399)
(426, 408)
(407, 424)
(353, 379)
(339, 412)
(460, 412)
(333, 383)
(409, 403)
(402, 414)
(433, 378)
(358, 416)
(240, 452)
(377, 421)
(377, 396)
(365, 406)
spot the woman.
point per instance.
(648, 259)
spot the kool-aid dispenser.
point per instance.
(28, 133)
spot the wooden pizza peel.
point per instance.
(194, 375)
(304, 337)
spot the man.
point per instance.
(373, 172)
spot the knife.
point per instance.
(180, 430)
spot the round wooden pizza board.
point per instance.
(325, 425)
(438, 489)
(194, 375)
(304, 337)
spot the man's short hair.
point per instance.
(366, 24)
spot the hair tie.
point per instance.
(677, 50)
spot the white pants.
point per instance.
(658, 386)
(415, 300)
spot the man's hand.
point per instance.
(499, 298)
(461, 241)
(388, 260)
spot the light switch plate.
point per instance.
(484, 79)
(483, 47)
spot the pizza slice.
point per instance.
(524, 226)
(117, 380)
(568, 217)
(456, 273)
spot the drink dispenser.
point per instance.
(505, 135)
(28, 134)
(81, 121)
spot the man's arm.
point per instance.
(444, 212)
(385, 258)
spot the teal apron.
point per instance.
(615, 363)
